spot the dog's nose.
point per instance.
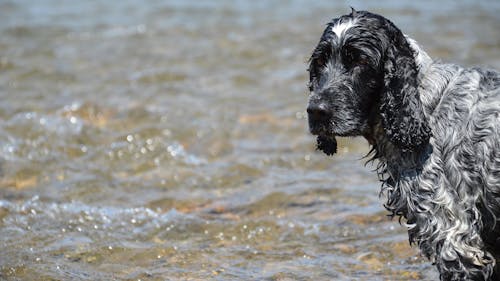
(318, 112)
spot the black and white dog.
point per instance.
(434, 129)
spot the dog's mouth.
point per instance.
(325, 137)
(327, 144)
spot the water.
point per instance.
(167, 140)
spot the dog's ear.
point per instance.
(402, 113)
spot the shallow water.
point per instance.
(167, 140)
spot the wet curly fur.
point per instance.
(434, 129)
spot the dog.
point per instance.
(434, 129)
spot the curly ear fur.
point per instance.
(401, 109)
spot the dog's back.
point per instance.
(464, 166)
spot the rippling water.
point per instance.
(166, 140)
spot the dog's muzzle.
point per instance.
(318, 113)
(319, 118)
(319, 121)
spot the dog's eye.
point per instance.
(362, 61)
(321, 62)
(356, 58)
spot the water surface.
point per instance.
(167, 140)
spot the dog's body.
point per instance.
(434, 128)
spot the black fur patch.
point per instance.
(327, 144)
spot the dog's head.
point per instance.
(363, 70)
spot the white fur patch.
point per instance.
(422, 58)
(341, 28)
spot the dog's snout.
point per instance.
(318, 112)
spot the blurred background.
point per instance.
(167, 140)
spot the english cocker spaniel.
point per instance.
(434, 129)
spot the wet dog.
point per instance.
(434, 129)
